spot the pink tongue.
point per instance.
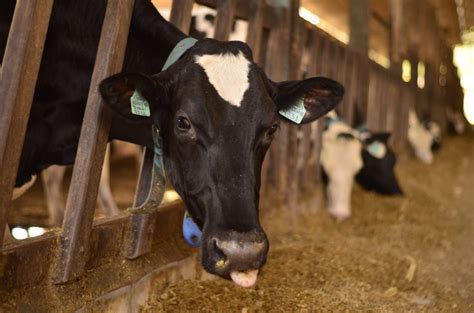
(244, 279)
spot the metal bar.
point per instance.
(224, 19)
(82, 195)
(17, 85)
(181, 14)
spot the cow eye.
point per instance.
(273, 129)
(183, 123)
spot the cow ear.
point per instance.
(134, 96)
(304, 101)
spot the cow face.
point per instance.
(378, 172)
(341, 160)
(218, 114)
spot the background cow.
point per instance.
(348, 153)
(424, 138)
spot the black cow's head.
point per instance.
(218, 114)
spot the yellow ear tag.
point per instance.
(139, 104)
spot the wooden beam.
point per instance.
(181, 14)
(17, 85)
(80, 205)
(224, 19)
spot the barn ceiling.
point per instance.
(334, 14)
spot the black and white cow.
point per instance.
(424, 137)
(348, 153)
(217, 113)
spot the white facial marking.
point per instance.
(341, 159)
(228, 74)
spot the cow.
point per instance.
(424, 137)
(349, 154)
(216, 109)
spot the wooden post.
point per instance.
(254, 33)
(276, 67)
(296, 38)
(19, 73)
(82, 195)
(359, 42)
(224, 19)
(181, 14)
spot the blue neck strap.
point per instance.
(178, 51)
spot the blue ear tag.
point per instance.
(139, 104)
(191, 232)
(294, 112)
(376, 149)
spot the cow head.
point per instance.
(218, 114)
(341, 160)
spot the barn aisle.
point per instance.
(394, 254)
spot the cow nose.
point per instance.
(239, 254)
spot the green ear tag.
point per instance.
(377, 149)
(294, 112)
(139, 104)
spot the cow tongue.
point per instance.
(244, 279)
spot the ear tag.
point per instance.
(377, 149)
(191, 232)
(294, 112)
(139, 104)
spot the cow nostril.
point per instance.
(220, 255)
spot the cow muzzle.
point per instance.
(236, 255)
